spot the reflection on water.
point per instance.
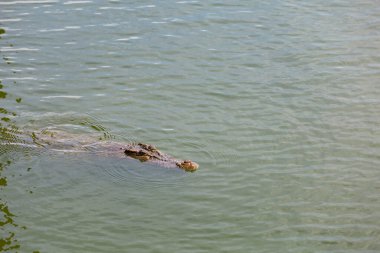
(8, 241)
(8, 130)
(9, 133)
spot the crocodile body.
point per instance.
(62, 141)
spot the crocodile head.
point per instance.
(145, 152)
(187, 165)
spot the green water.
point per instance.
(278, 101)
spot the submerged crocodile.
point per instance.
(63, 141)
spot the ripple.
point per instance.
(112, 8)
(70, 122)
(21, 78)
(52, 30)
(146, 6)
(129, 38)
(28, 2)
(63, 96)
(141, 174)
(10, 20)
(159, 22)
(201, 151)
(72, 27)
(77, 2)
(111, 25)
(12, 49)
(187, 2)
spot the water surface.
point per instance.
(277, 101)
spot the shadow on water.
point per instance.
(9, 133)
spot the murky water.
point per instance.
(278, 101)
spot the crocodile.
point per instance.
(62, 141)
